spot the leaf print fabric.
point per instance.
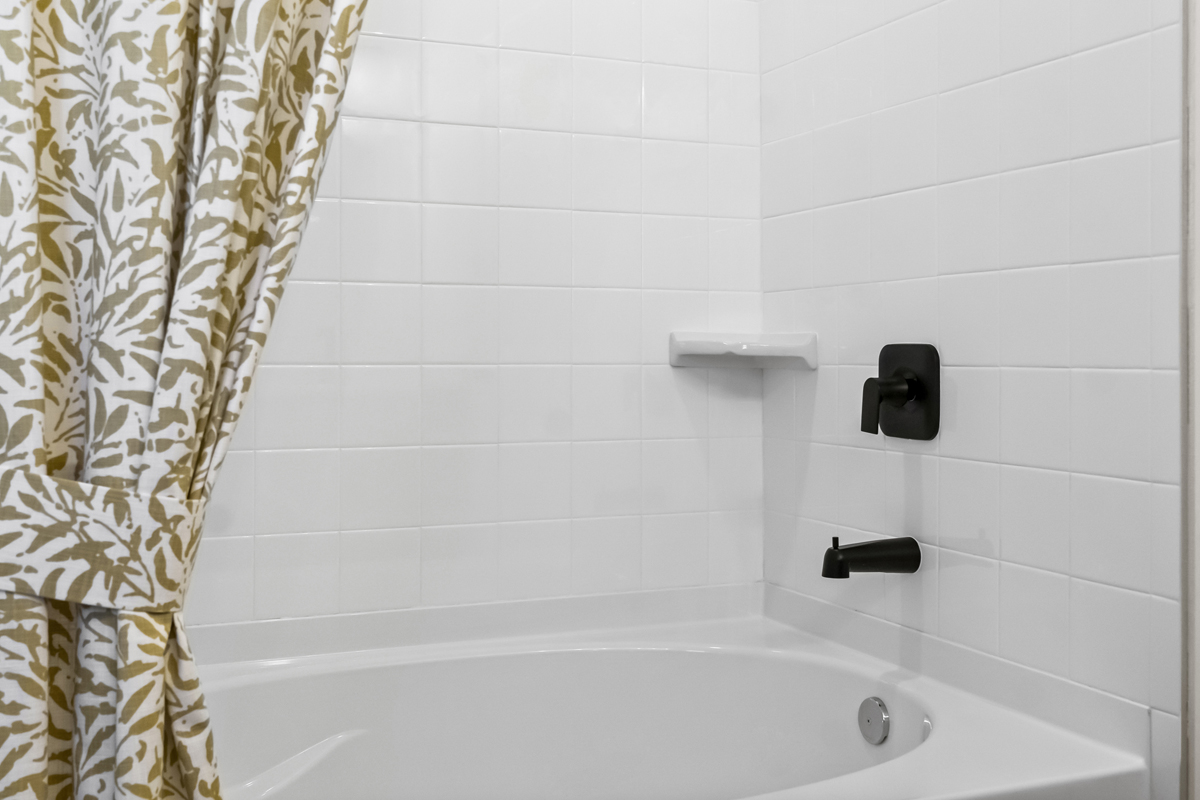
(158, 161)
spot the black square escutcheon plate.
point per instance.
(919, 418)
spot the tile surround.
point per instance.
(526, 195)
(468, 380)
(1045, 137)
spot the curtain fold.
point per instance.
(158, 162)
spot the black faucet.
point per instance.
(884, 555)
(905, 400)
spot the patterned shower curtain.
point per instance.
(158, 160)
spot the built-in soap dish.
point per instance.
(753, 350)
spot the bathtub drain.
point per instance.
(873, 720)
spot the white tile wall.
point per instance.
(1000, 178)
(466, 396)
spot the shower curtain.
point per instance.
(158, 160)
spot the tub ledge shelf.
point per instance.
(753, 350)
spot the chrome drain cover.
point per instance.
(873, 720)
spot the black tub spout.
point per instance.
(885, 555)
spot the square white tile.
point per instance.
(1035, 417)
(380, 242)
(535, 169)
(604, 327)
(459, 405)
(733, 35)
(1110, 639)
(1095, 22)
(535, 403)
(675, 402)
(606, 479)
(735, 547)
(735, 475)
(296, 491)
(1110, 97)
(319, 256)
(969, 600)
(535, 481)
(1035, 208)
(459, 564)
(542, 25)
(674, 476)
(1035, 108)
(969, 319)
(295, 575)
(1110, 206)
(607, 250)
(381, 323)
(904, 146)
(675, 32)
(288, 422)
(535, 90)
(222, 585)
(968, 41)
(1035, 518)
(534, 325)
(1035, 323)
(380, 406)
(394, 18)
(459, 484)
(379, 570)
(674, 178)
(535, 247)
(386, 80)
(674, 551)
(459, 324)
(1112, 401)
(307, 328)
(1035, 621)
(460, 245)
(230, 510)
(606, 555)
(465, 21)
(970, 424)
(969, 507)
(1111, 307)
(607, 173)
(733, 108)
(608, 28)
(606, 402)
(968, 226)
(1108, 537)
(381, 160)
(674, 102)
(460, 164)
(1033, 31)
(534, 559)
(607, 97)
(675, 252)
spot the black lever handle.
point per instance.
(905, 400)
(894, 391)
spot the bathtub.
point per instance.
(744, 708)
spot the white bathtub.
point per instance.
(711, 711)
